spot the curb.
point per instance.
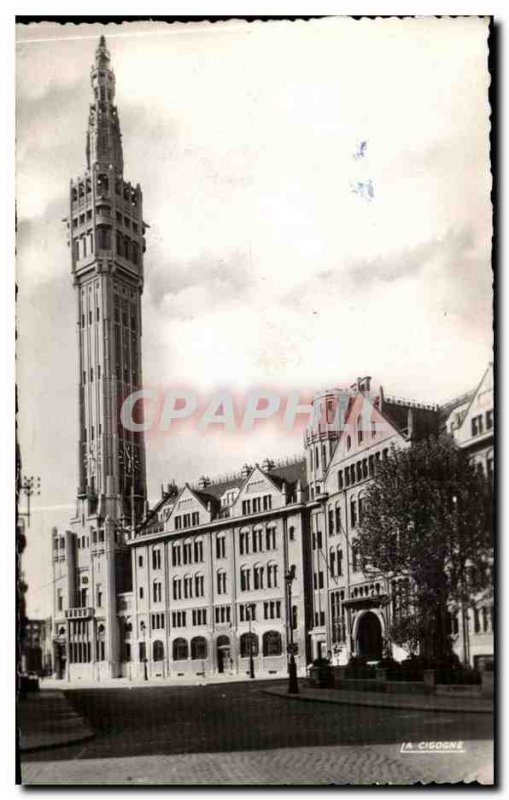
(377, 704)
(69, 740)
(77, 731)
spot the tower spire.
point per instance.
(104, 141)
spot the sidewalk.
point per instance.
(46, 719)
(433, 702)
(139, 683)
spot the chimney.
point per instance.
(267, 464)
(203, 482)
(298, 492)
(245, 471)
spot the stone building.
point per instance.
(228, 574)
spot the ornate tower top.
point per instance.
(104, 140)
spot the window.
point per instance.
(176, 555)
(355, 556)
(340, 562)
(348, 442)
(353, 513)
(141, 592)
(294, 618)
(187, 549)
(198, 648)
(199, 616)
(221, 582)
(221, 546)
(257, 503)
(244, 579)
(291, 533)
(338, 519)
(223, 614)
(177, 589)
(246, 506)
(178, 619)
(195, 518)
(248, 645)
(272, 609)
(188, 586)
(178, 523)
(258, 576)
(270, 538)
(180, 650)
(271, 575)
(156, 559)
(320, 580)
(99, 592)
(198, 551)
(489, 420)
(60, 600)
(267, 502)
(319, 542)
(272, 644)
(158, 651)
(157, 591)
(477, 425)
(199, 590)
(332, 562)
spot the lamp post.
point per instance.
(144, 631)
(293, 684)
(251, 660)
(30, 485)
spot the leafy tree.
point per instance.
(427, 518)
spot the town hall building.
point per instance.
(231, 575)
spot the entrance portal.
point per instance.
(223, 653)
(369, 637)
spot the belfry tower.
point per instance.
(107, 264)
(106, 235)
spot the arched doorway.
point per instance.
(223, 653)
(369, 637)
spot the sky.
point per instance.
(282, 251)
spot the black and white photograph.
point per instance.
(255, 418)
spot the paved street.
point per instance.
(135, 725)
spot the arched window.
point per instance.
(157, 591)
(338, 518)
(188, 586)
(248, 641)
(177, 588)
(317, 458)
(180, 650)
(158, 651)
(271, 575)
(324, 456)
(257, 576)
(272, 644)
(245, 579)
(198, 648)
(221, 581)
(199, 588)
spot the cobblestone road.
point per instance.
(361, 764)
(237, 734)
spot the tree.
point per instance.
(427, 518)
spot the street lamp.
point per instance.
(30, 485)
(144, 631)
(251, 661)
(293, 684)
